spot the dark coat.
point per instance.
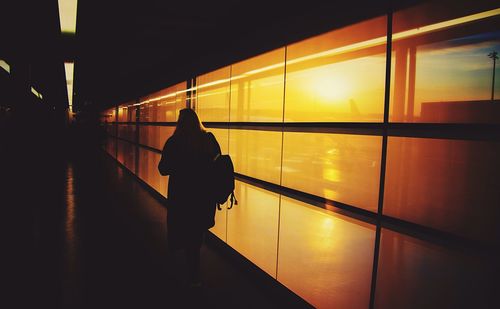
(190, 208)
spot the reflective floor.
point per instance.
(84, 234)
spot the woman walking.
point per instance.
(186, 157)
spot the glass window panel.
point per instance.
(127, 131)
(257, 86)
(180, 98)
(338, 76)
(163, 105)
(108, 115)
(339, 167)
(325, 258)
(256, 153)
(122, 113)
(111, 146)
(220, 223)
(222, 137)
(441, 71)
(144, 111)
(126, 112)
(252, 227)
(110, 128)
(155, 136)
(417, 274)
(126, 154)
(212, 95)
(148, 171)
(451, 185)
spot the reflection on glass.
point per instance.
(451, 185)
(212, 95)
(256, 153)
(148, 171)
(220, 223)
(126, 112)
(252, 227)
(339, 167)
(323, 80)
(257, 86)
(164, 105)
(108, 115)
(416, 274)
(127, 131)
(155, 136)
(111, 128)
(111, 146)
(180, 98)
(126, 154)
(222, 137)
(445, 75)
(325, 258)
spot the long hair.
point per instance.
(188, 125)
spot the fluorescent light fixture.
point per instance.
(36, 93)
(67, 15)
(4, 65)
(69, 69)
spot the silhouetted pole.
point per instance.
(493, 55)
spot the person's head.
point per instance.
(188, 123)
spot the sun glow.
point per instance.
(330, 88)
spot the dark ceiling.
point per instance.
(125, 49)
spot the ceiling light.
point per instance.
(67, 15)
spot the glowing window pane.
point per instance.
(213, 95)
(252, 227)
(219, 229)
(222, 137)
(126, 112)
(417, 274)
(445, 74)
(111, 146)
(338, 76)
(180, 98)
(256, 153)
(148, 171)
(126, 154)
(107, 116)
(126, 131)
(164, 105)
(257, 88)
(325, 258)
(155, 136)
(340, 167)
(450, 185)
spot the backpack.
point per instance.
(223, 180)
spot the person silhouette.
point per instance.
(186, 158)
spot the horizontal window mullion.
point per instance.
(412, 229)
(159, 124)
(149, 148)
(311, 199)
(422, 130)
